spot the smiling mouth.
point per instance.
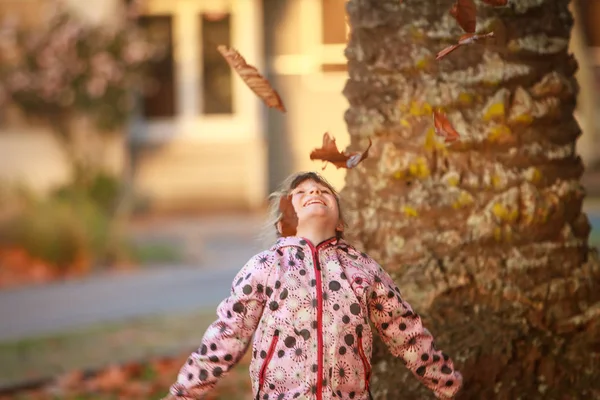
(308, 203)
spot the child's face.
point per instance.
(315, 200)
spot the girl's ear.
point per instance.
(279, 227)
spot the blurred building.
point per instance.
(207, 138)
(585, 44)
(204, 140)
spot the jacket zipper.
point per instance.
(361, 352)
(319, 287)
(263, 369)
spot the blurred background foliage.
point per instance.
(67, 66)
(67, 232)
(53, 72)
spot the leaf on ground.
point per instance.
(111, 379)
(129, 381)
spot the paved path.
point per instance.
(36, 311)
(44, 310)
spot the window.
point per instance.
(335, 28)
(159, 99)
(335, 31)
(216, 83)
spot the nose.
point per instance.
(315, 190)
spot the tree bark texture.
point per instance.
(486, 238)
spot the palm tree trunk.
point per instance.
(486, 238)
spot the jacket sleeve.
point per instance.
(226, 339)
(401, 329)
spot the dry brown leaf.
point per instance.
(444, 128)
(70, 380)
(466, 39)
(250, 75)
(289, 219)
(329, 152)
(110, 379)
(465, 13)
(133, 369)
(447, 50)
(165, 364)
(137, 390)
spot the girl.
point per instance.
(308, 301)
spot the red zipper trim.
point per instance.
(263, 369)
(361, 352)
(319, 288)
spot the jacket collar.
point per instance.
(297, 241)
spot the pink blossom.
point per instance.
(33, 41)
(96, 87)
(49, 89)
(75, 67)
(63, 75)
(19, 81)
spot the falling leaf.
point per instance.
(289, 219)
(465, 12)
(329, 152)
(444, 128)
(250, 75)
(496, 3)
(467, 38)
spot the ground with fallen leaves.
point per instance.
(95, 363)
(148, 381)
(17, 268)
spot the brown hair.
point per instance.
(276, 214)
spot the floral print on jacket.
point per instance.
(309, 309)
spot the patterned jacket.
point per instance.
(309, 310)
